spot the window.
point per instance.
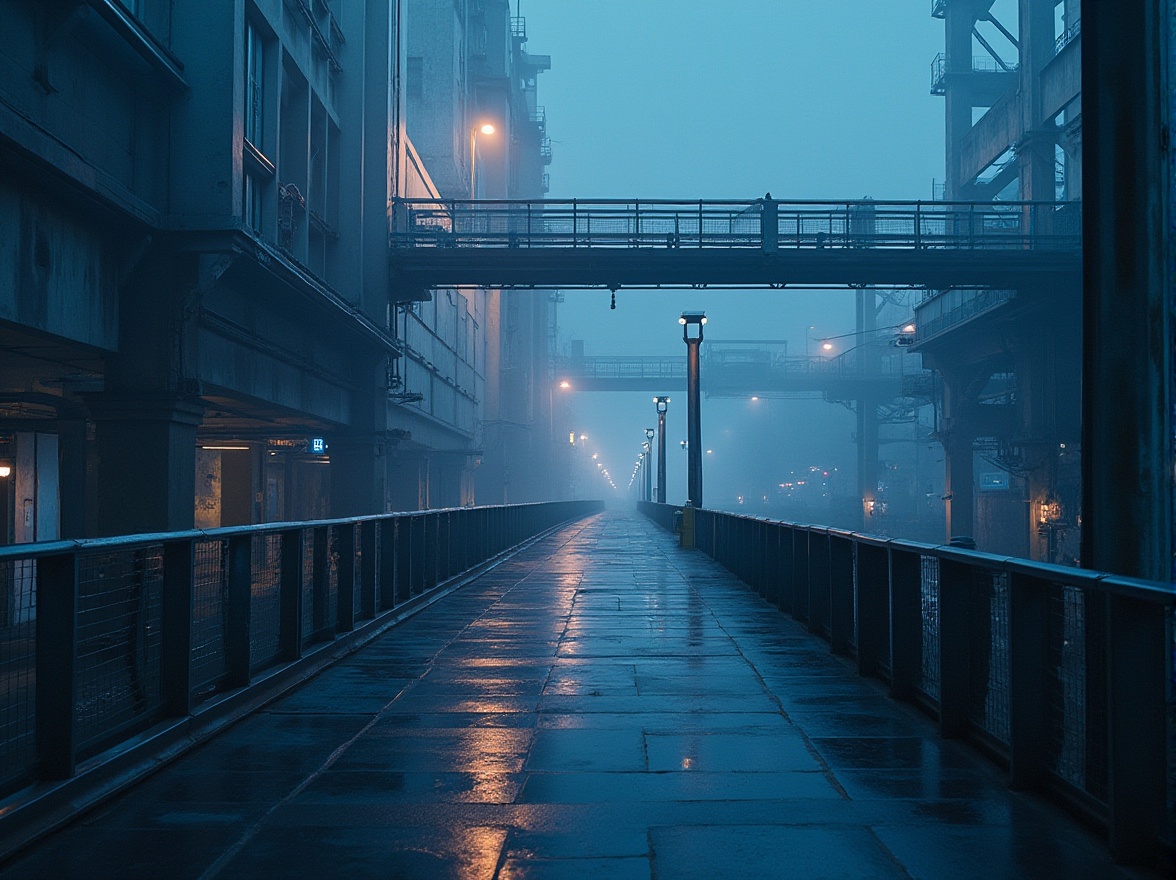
(252, 201)
(254, 71)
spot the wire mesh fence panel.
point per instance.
(308, 587)
(1077, 736)
(929, 678)
(853, 640)
(18, 660)
(357, 593)
(118, 643)
(264, 610)
(988, 671)
(1094, 627)
(332, 576)
(209, 611)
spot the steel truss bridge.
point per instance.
(740, 368)
(736, 244)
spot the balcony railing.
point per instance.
(1068, 36)
(941, 68)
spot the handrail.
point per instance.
(1062, 675)
(105, 639)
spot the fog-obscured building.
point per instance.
(1010, 360)
(197, 325)
(468, 67)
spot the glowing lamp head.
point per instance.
(487, 129)
(565, 384)
(826, 345)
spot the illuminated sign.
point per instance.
(994, 481)
(318, 445)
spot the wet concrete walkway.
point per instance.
(602, 705)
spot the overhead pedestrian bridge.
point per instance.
(756, 243)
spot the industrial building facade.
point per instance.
(197, 320)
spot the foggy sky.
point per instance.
(689, 99)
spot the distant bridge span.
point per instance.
(759, 243)
(761, 368)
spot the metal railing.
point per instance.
(1069, 35)
(101, 640)
(762, 224)
(1067, 677)
(941, 68)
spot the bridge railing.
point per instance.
(762, 224)
(1066, 677)
(102, 640)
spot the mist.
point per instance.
(690, 100)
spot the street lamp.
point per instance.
(662, 404)
(693, 403)
(486, 129)
(646, 449)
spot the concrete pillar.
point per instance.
(74, 476)
(1036, 154)
(959, 21)
(144, 462)
(357, 474)
(1127, 332)
(958, 434)
(960, 485)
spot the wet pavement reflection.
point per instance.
(604, 705)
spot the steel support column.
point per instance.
(1127, 349)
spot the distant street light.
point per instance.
(662, 404)
(486, 129)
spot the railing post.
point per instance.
(238, 584)
(906, 622)
(56, 653)
(1137, 640)
(345, 600)
(954, 581)
(175, 644)
(1029, 686)
(873, 607)
(368, 581)
(290, 596)
(841, 633)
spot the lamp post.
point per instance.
(662, 404)
(647, 448)
(693, 402)
(486, 129)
